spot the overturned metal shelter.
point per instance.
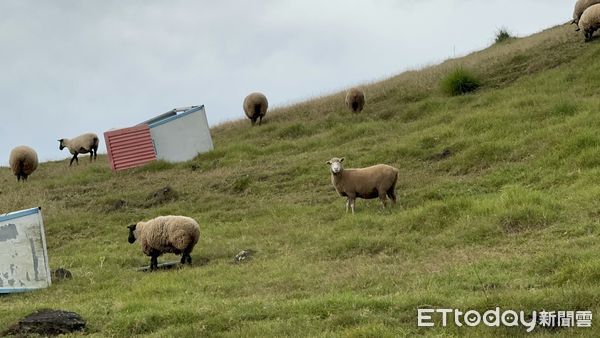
(175, 136)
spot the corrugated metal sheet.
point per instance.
(129, 147)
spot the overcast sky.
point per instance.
(69, 67)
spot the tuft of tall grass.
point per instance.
(503, 35)
(460, 81)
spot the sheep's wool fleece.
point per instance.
(171, 234)
(27, 156)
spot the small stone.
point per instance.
(61, 274)
(243, 256)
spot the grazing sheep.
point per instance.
(355, 99)
(82, 144)
(23, 161)
(255, 107)
(172, 234)
(580, 7)
(590, 21)
(371, 182)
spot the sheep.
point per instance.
(255, 107)
(166, 234)
(590, 21)
(23, 161)
(371, 182)
(580, 7)
(82, 144)
(355, 100)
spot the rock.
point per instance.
(48, 322)
(61, 274)
(243, 256)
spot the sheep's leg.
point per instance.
(186, 258)
(352, 205)
(153, 263)
(95, 152)
(347, 204)
(74, 158)
(392, 195)
(383, 199)
(260, 120)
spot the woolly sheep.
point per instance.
(23, 161)
(590, 21)
(355, 100)
(580, 7)
(166, 234)
(255, 107)
(82, 144)
(371, 182)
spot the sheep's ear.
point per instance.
(328, 162)
(131, 227)
(342, 159)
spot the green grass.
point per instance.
(460, 81)
(503, 35)
(498, 206)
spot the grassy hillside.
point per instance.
(498, 206)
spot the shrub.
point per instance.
(460, 81)
(502, 35)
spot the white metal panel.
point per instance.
(23, 254)
(182, 137)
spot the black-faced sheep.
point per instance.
(371, 182)
(580, 7)
(590, 21)
(166, 234)
(82, 144)
(355, 100)
(255, 107)
(23, 161)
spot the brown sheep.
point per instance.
(172, 234)
(590, 21)
(580, 7)
(355, 100)
(23, 161)
(255, 107)
(371, 182)
(82, 144)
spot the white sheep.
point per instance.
(23, 161)
(371, 182)
(580, 7)
(355, 99)
(166, 234)
(82, 144)
(590, 21)
(255, 106)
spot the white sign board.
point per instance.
(23, 254)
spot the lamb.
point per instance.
(82, 144)
(255, 107)
(580, 7)
(590, 21)
(371, 182)
(23, 161)
(166, 234)
(355, 99)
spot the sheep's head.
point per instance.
(131, 238)
(335, 165)
(61, 146)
